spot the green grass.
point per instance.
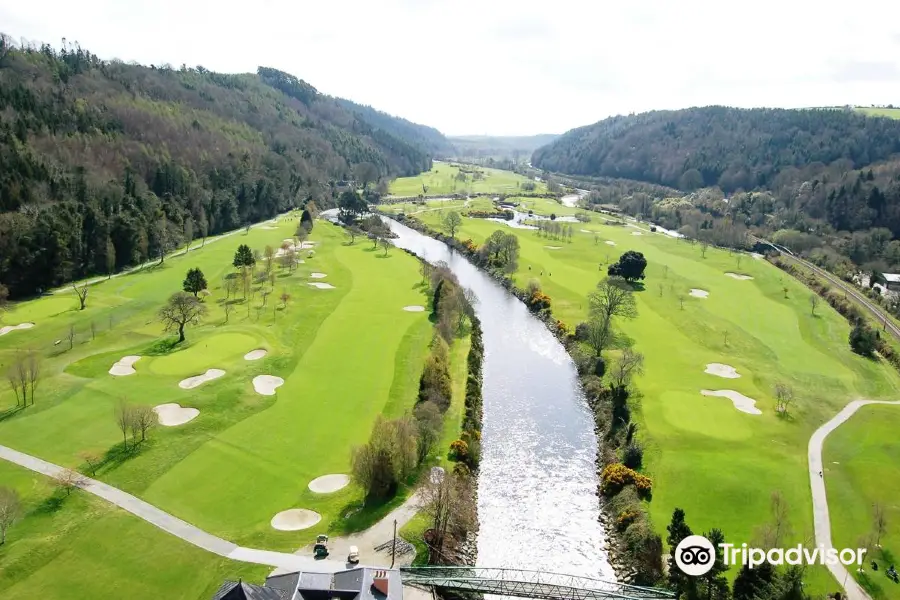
(347, 355)
(863, 467)
(718, 464)
(81, 547)
(441, 179)
(893, 113)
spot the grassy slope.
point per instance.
(704, 456)
(85, 548)
(246, 456)
(865, 468)
(441, 180)
(893, 113)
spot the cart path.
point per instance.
(282, 561)
(819, 499)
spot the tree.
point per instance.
(122, 415)
(813, 303)
(613, 297)
(284, 297)
(630, 266)
(82, 294)
(228, 307)
(448, 502)
(365, 173)
(430, 425)
(598, 334)
(501, 251)
(629, 364)
(452, 221)
(306, 217)
(863, 340)
(68, 479)
(143, 419)
(678, 529)
(4, 300)
(386, 244)
(269, 256)
(350, 207)
(243, 257)
(388, 458)
(33, 367)
(879, 522)
(71, 334)
(92, 458)
(784, 395)
(182, 309)
(704, 246)
(194, 281)
(10, 510)
(353, 232)
(714, 580)
(110, 256)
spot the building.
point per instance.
(891, 281)
(363, 583)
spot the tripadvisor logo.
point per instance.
(695, 555)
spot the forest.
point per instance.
(105, 164)
(731, 148)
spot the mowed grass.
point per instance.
(892, 113)
(863, 468)
(718, 464)
(441, 179)
(346, 354)
(83, 547)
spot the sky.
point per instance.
(508, 67)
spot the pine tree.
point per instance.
(684, 585)
(195, 281)
(243, 257)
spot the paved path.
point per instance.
(820, 502)
(174, 525)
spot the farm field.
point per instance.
(441, 179)
(893, 113)
(346, 354)
(717, 463)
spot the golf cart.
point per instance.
(353, 556)
(320, 550)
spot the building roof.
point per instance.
(891, 277)
(362, 583)
(238, 590)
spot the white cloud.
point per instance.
(509, 66)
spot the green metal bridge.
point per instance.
(528, 584)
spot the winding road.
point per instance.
(281, 561)
(820, 501)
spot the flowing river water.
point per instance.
(537, 503)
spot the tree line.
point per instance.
(104, 165)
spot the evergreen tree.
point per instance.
(684, 585)
(756, 583)
(195, 281)
(715, 582)
(243, 257)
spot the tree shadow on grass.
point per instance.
(48, 505)
(163, 347)
(118, 455)
(357, 516)
(9, 413)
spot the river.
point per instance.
(537, 502)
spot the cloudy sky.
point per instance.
(508, 67)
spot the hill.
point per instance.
(510, 147)
(427, 138)
(715, 145)
(105, 164)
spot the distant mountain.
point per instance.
(509, 147)
(104, 164)
(427, 138)
(715, 145)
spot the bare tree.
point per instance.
(813, 303)
(879, 522)
(661, 290)
(269, 259)
(681, 301)
(629, 364)
(704, 246)
(34, 364)
(599, 335)
(780, 515)
(385, 244)
(182, 309)
(4, 298)
(388, 458)
(10, 510)
(785, 290)
(784, 396)
(430, 425)
(68, 480)
(92, 458)
(71, 334)
(612, 298)
(448, 501)
(82, 294)
(285, 298)
(228, 307)
(12, 375)
(93, 330)
(452, 222)
(122, 416)
(143, 419)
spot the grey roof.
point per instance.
(239, 590)
(287, 582)
(315, 581)
(891, 277)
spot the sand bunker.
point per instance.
(757, 255)
(267, 384)
(322, 286)
(326, 484)
(699, 293)
(125, 366)
(585, 231)
(268, 227)
(8, 328)
(318, 275)
(198, 380)
(255, 354)
(720, 370)
(636, 233)
(553, 247)
(740, 401)
(295, 519)
(610, 242)
(173, 414)
(414, 308)
(738, 276)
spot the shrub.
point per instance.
(633, 456)
(459, 451)
(616, 476)
(626, 518)
(863, 340)
(600, 367)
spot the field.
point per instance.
(346, 355)
(893, 113)
(718, 464)
(441, 179)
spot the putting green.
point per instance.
(208, 352)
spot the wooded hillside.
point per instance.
(718, 146)
(106, 164)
